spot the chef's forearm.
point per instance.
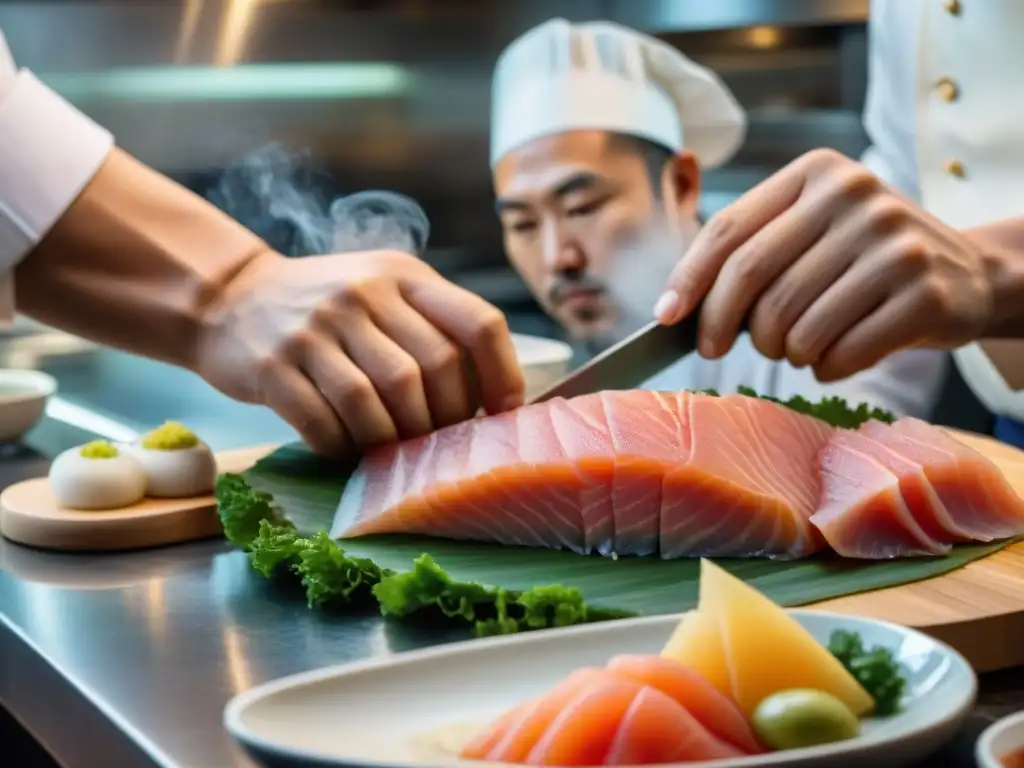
(134, 263)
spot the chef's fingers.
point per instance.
(720, 237)
(478, 327)
(859, 292)
(782, 305)
(394, 373)
(439, 359)
(293, 397)
(897, 324)
(349, 392)
(755, 266)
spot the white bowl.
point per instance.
(544, 361)
(999, 740)
(23, 396)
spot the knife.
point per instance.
(632, 361)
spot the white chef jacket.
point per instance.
(49, 151)
(945, 113)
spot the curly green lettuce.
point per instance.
(491, 610)
(330, 577)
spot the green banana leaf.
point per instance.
(503, 589)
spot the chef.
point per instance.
(350, 350)
(599, 135)
(839, 264)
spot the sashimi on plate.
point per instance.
(738, 682)
(683, 474)
(756, 682)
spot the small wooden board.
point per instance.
(30, 515)
(977, 609)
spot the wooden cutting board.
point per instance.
(30, 515)
(978, 609)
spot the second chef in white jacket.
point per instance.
(838, 263)
(945, 111)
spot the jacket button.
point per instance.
(947, 89)
(952, 7)
(955, 168)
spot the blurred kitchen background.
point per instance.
(390, 94)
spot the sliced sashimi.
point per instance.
(649, 440)
(582, 428)
(502, 478)
(582, 732)
(480, 745)
(973, 489)
(656, 730)
(864, 512)
(601, 719)
(620, 473)
(749, 486)
(712, 709)
(910, 489)
(511, 737)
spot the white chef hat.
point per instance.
(561, 77)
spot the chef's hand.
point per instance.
(358, 349)
(833, 269)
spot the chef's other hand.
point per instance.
(833, 269)
(358, 349)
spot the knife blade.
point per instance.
(631, 362)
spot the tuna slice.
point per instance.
(910, 489)
(631, 473)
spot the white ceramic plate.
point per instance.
(389, 712)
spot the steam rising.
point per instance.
(378, 219)
(270, 192)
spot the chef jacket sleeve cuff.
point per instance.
(49, 152)
(988, 384)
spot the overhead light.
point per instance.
(764, 37)
(248, 82)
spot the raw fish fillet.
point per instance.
(910, 489)
(678, 474)
(598, 717)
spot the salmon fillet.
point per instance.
(678, 474)
(910, 489)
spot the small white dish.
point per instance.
(23, 398)
(1000, 740)
(544, 361)
(390, 711)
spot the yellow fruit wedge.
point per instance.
(766, 650)
(697, 643)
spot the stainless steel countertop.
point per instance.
(133, 657)
(129, 659)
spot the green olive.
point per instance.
(802, 718)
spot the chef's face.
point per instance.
(594, 223)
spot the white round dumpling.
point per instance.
(177, 464)
(97, 476)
